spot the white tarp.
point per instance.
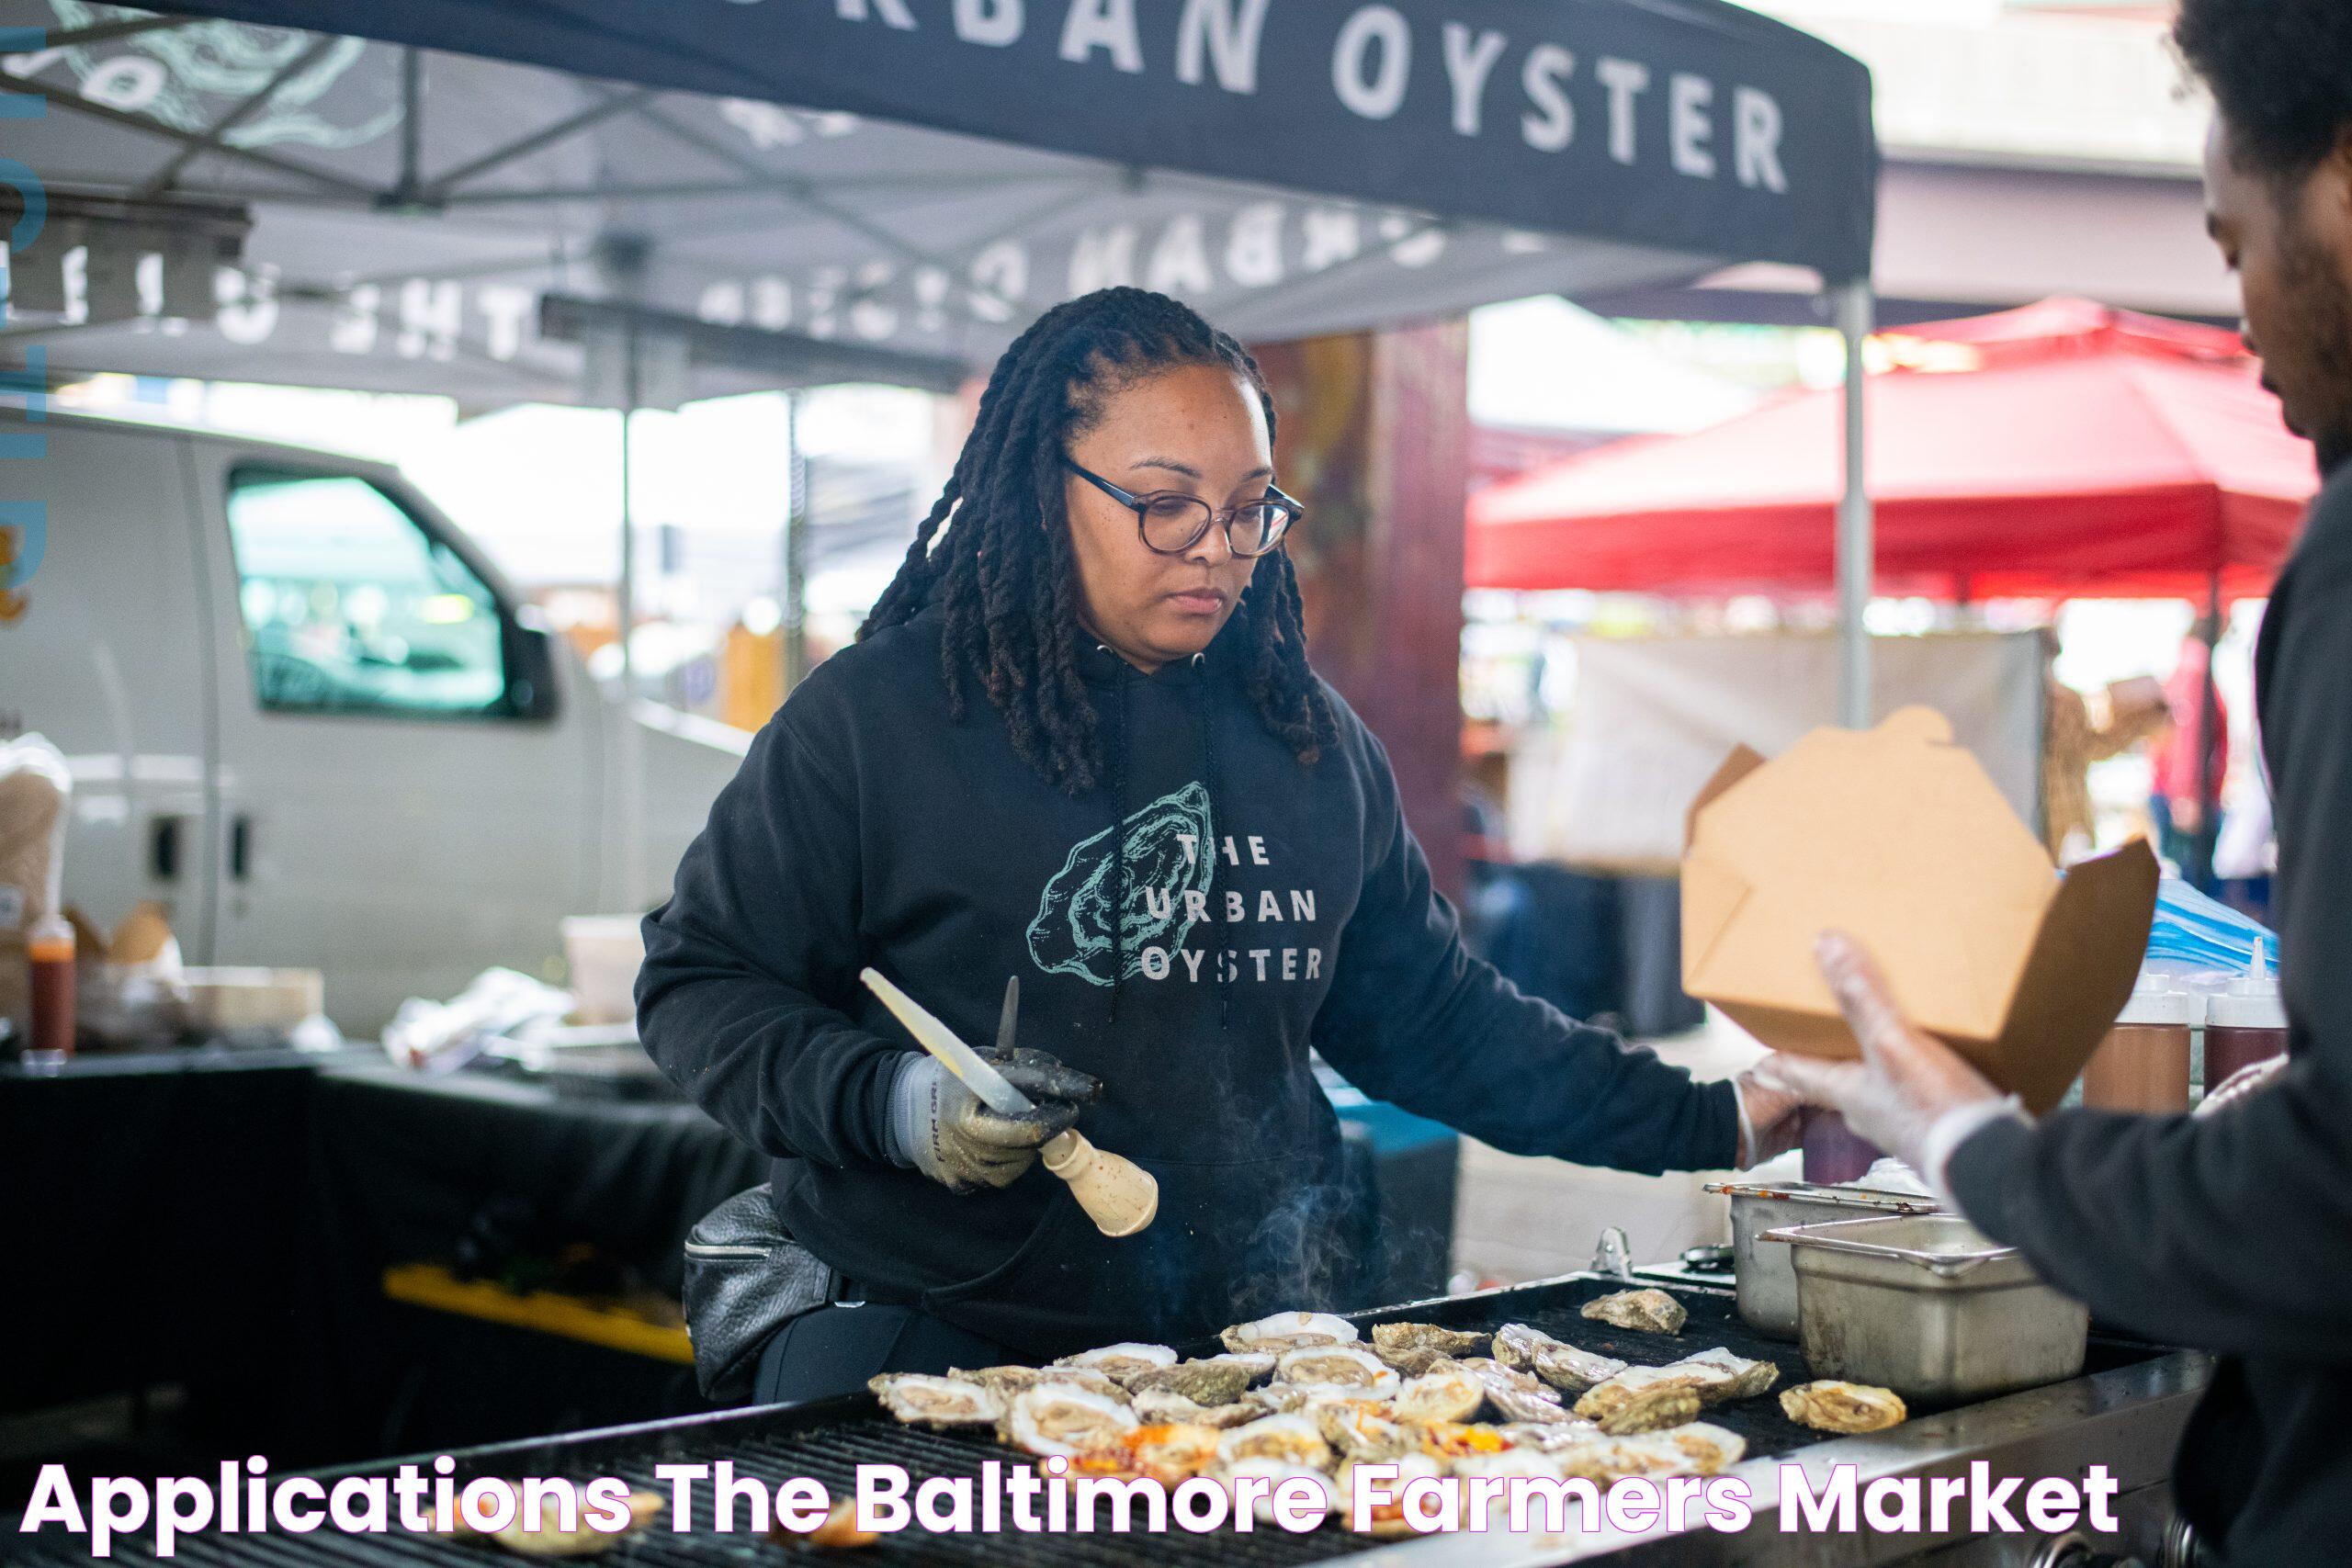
(1653, 717)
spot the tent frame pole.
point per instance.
(2208, 781)
(1854, 308)
(795, 626)
(629, 769)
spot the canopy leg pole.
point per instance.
(795, 548)
(2208, 781)
(1855, 309)
(628, 793)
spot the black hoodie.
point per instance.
(1269, 907)
(2233, 1232)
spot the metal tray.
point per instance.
(1766, 1277)
(1925, 1305)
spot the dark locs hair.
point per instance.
(2281, 74)
(994, 552)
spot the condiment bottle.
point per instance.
(50, 947)
(2246, 1024)
(2142, 1064)
(1834, 1152)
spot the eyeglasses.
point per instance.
(1173, 521)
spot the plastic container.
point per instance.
(2246, 1024)
(2142, 1064)
(605, 953)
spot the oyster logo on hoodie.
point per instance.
(1171, 853)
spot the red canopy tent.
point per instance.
(2065, 449)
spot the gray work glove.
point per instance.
(945, 1131)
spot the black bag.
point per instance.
(745, 1279)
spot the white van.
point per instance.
(305, 715)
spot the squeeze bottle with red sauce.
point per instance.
(50, 947)
(2246, 1024)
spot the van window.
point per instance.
(349, 606)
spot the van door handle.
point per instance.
(241, 847)
(164, 847)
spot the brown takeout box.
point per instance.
(1898, 837)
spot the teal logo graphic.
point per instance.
(1071, 934)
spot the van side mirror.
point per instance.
(530, 673)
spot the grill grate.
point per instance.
(828, 1440)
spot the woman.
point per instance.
(1078, 741)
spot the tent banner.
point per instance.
(1686, 124)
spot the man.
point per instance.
(2230, 1232)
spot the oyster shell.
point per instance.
(1218, 1381)
(1556, 1361)
(1447, 1392)
(1603, 1400)
(1288, 1331)
(1348, 1366)
(1658, 1406)
(921, 1400)
(1832, 1406)
(1165, 1407)
(1361, 1428)
(1649, 1310)
(1056, 1419)
(1292, 1438)
(1010, 1381)
(1412, 1347)
(1454, 1439)
(1387, 1519)
(1275, 1472)
(1747, 1378)
(1516, 1396)
(1121, 1363)
(1550, 1436)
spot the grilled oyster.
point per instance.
(1361, 1428)
(644, 1507)
(1644, 1407)
(925, 1400)
(1650, 1311)
(1120, 1362)
(1832, 1406)
(1451, 1440)
(1055, 1419)
(1747, 1378)
(1010, 1381)
(1410, 1348)
(1447, 1392)
(1288, 1331)
(1549, 1436)
(1348, 1366)
(1275, 1472)
(1165, 1407)
(1387, 1518)
(1556, 1361)
(1516, 1396)
(1215, 1382)
(1172, 1453)
(1696, 1448)
(1259, 1364)
(1292, 1439)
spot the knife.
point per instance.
(1118, 1195)
(935, 1037)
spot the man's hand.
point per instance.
(1912, 1095)
(1771, 1112)
(943, 1130)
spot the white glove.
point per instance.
(1772, 1112)
(1912, 1095)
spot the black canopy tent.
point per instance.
(917, 176)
